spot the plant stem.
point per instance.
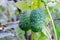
(31, 35)
(25, 35)
(52, 22)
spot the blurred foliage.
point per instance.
(2, 9)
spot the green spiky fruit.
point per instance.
(24, 23)
(37, 19)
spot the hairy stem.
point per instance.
(52, 22)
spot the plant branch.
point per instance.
(56, 19)
(52, 22)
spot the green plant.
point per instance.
(43, 4)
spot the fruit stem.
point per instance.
(33, 35)
(25, 35)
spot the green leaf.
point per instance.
(42, 36)
(57, 5)
(38, 36)
(47, 16)
(34, 5)
(33, 0)
(51, 9)
(29, 5)
(22, 5)
(57, 26)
